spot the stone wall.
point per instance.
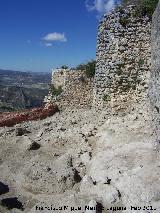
(123, 60)
(77, 89)
(123, 63)
(155, 76)
(58, 77)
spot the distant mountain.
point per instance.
(21, 90)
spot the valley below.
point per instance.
(22, 90)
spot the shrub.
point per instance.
(119, 71)
(124, 21)
(7, 108)
(89, 68)
(64, 67)
(55, 91)
(141, 62)
(144, 7)
(121, 10)
(81, 67)
(106, 98)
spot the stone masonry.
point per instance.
(77, 89)
(123, 59)
(154, 93)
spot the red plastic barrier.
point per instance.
(13, 118)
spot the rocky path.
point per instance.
(78, 158)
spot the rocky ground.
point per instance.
(79, 158)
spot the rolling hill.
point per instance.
(22, 90)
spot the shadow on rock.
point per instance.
(77, 177)
(12, 203)
(99, 208)
(3, 188)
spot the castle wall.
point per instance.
(123, 59)
(77, 89)
(123, 63)
(154, 93)
(58, 77)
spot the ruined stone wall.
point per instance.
(154, 92)
(77, 89)
(123, 63)
(123, 60)
(58, 77)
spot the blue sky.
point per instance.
(38, 35)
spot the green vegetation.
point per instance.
(64, 67)
(55, 91)
(141, 62)
(120, 68)
(119, 71)
(106, 98)
(124, 21)
(145, 7)
(81, 67)
(15, 98)
(6, 107)
(89, 68)
(121, 9)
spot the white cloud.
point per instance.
(48, 44)
(55, 37)
(101, 6)
(109, 5)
